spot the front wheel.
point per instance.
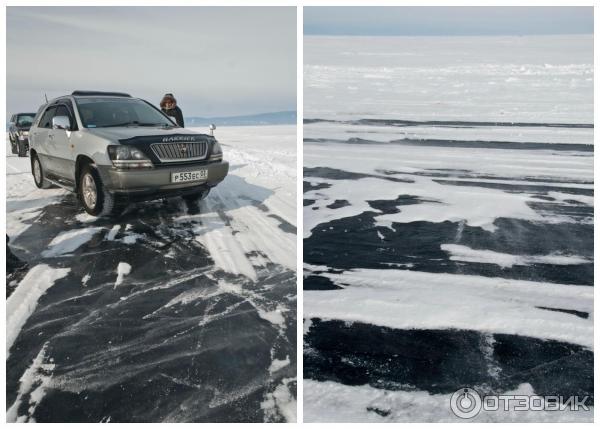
(22, 149)
(38, 173)
(94, 197)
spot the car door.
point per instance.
(60, 142)
(39, 139)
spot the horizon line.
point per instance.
(448, 35)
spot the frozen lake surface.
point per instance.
(538, 79)
(448, 224)
(173, 312)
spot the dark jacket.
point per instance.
(175, 112)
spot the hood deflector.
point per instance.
(172, 138)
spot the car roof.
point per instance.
(79, 93)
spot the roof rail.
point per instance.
(89, 93)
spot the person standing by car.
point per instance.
(170, 108)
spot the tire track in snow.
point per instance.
(21, 304)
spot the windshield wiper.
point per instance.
(122, 124)
(149, 124)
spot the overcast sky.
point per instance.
(453, 21)
(218, 61)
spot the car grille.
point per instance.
(185, 151)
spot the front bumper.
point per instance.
(156, 182)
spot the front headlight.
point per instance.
(24, 133)
(217, 152)
(128, 157)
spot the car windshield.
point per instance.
(101, 112)
(25, 120)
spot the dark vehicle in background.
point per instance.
(18, 132)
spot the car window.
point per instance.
(24, 120)
(63, 111)
(46, 119)
(66, 102)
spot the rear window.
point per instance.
(25, 120)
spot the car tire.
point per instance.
(38, 173)
(196, 196)
(13, 146)
(93, 195)
(22, 150)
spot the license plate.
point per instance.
(189, 176)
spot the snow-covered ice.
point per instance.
(463, 253)
(419, 300)
(521, 79)
(32, 383)
(69, 241)
(23, 301)
(173, 312)
(448, 224)
(123, 269)
(336, 403)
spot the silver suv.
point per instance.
(111, 149)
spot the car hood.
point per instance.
(125, 133)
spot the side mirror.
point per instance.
(61, 123)
(212, 128)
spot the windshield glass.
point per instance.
(101, 112)
(25, 120)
